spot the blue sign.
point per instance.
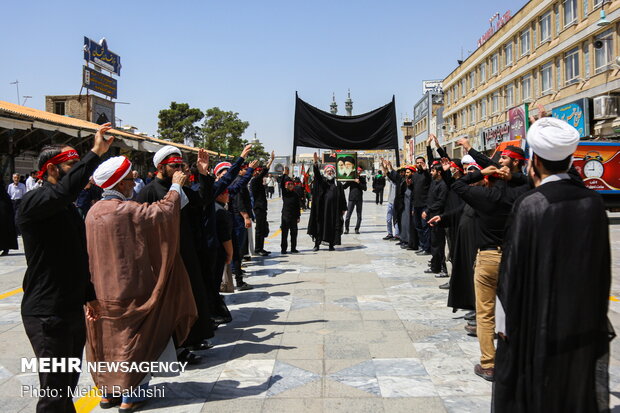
(99, 55)
(575, 114)
(98, 82)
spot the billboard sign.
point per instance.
(98, 82)
(576, 115)
(598, 163)
(99, 55)
(493, 136)
(518, 118)
(432, 86)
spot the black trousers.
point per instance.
(261, 230)
(358, 208)
(438, 249)
(286, 226)
(56, 336)
(379, 197)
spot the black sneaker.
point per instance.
(244, 287)
(357, 231)
(387, 237)
(442, 275)
(445, 286)
(470, 316)
(294, 252)
(283, 252)
(430, 271)
(346, 231)
(331, 248)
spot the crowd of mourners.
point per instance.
(133, 270)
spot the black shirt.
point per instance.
(421, 184)
(258, 190)
(224, 223)
(57, 280)
(355, 191)
(290, 205)
(436, 199)
(489, 204)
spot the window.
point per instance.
(463, 92)
(526, 91)
(603, 56)
(472, 80)
(545, 27)
(571, 66)
(483, 108)
(597, 3)
(494, 64)
(495, 102)
(525, 42)
(570, 12)
(558, 74)
(546, 81)
(483, 73)
(59, 107)
(586, 59)
(585, 8)
(508, 54)
(472, 114)
(510, 95)
(463, 118)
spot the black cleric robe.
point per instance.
(328, 205)
(463, 255)
(8, 234)
(154, 191)
(554, 286)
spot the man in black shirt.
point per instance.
(290, 217)
(356, 200)
(57, 281)
(257, 187)
(436, 201)
(492, 210)
(241, 208)
(421, 184)
(378, 185)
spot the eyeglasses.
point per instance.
(175, 165)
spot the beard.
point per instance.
(329, 177)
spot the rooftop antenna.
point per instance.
(16, 83)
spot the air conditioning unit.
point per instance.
(605, 107)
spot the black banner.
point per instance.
(315, 128)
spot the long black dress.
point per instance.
(463, 256)
(190, 224)
(328, 204)
(554, 286)
(8, 233)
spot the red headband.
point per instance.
(58, 159)
(454, 165)
(172, 159)
(513, 155)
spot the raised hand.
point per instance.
(253, 164)
(203, 162)
(464, 142)
(489, 170)
(316, 158)
(179, 177)
(102, 143)
(445, 164)
(246, 150)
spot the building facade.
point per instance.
(425, 122)
(560, 55)
(90, 108)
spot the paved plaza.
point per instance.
(361, 329)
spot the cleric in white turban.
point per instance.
(554, 287)
(144, 295)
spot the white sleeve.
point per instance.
(184, 200)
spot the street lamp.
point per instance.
(603, 20)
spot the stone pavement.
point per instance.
(361, 329)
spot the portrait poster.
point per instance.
(346, 166)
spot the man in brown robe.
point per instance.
(143, 291)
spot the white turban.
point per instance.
(552, 139)
(165, 152)
(467, 159)
(110, 172)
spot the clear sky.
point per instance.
(246, 56)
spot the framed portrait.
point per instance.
(346, 166)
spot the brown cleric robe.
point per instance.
(140, 282)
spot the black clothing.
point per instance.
(357, 205)
(463, 256)
(356, 190)
(438, 249)
(398, 196)
(301, 193)
(489, 204)
(190, 235)
(62, 336)
(8, 234)
(421, 184)
(223, 220)
(436, 200)
(260, 209)
(57, 280)
(378, 186)
(328, 205)
(239, 200)
(290, 215)
(555, 294)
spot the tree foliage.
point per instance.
(222, 130)
(179, 123)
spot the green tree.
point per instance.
(259, 153)
(178, 123)
(222, 130)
